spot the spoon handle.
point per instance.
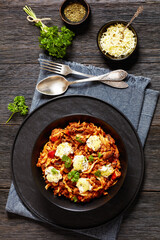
(120, 84)
(114, 76)
(139, 10)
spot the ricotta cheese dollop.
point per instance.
(80, 163)
(94, 142)
(52, 174)
(63, 149)
(107, 170)
(84, 185)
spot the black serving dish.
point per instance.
(104, 29)
(34, 133)
(66, 3)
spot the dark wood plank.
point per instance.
(25, 36)
(51, 3)
(5, 170)
(7, 133)
(152, 156)
(141, 222)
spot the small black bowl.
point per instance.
(104, 29)
(63, 202)
(66, 3)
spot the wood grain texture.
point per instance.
(19, 69)
(25, 35)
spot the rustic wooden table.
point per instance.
(19, 71)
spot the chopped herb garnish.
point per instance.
(97, 173)
(75, 199)
(73, 175)
(100, 154)
(54, 171)
(67, 160)
(90, 158)
(79, 140)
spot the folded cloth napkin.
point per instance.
(136, 102)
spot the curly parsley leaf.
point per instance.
(18, 105)
(79, 140)
(51, 39)
(67, 160)
(73, 176)
(54, 171)
(97, 173)
(90, 158)
(75, 199)
(100, 155)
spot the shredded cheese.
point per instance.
(112, 42)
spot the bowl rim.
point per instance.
(109, 23)
(61, 10)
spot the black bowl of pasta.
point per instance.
(79, 162)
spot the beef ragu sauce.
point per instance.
(80, 162)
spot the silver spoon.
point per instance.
(139, 10)
(56, 85)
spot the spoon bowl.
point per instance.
(56, 85)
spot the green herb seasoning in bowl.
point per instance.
(74, 12)
(115, 44)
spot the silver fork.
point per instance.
(59, 68)
(66, 70)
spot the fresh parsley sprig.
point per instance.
(91, 158)
(100, 155)
(75, 199)
(67, 160)
(97, 173)
(73, 175)
(54, 171)
(78, 139)
(18, 105)
(51, 39)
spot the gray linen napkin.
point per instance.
(136, 102)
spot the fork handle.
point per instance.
(81, 74)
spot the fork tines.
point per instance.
(49, 63)
(50, 66)
(50, 70)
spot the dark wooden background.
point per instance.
(19, 69)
